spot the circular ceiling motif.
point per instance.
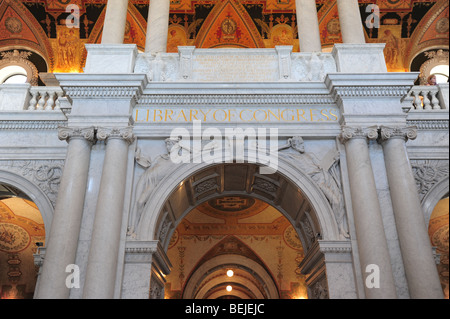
(13, 238)
(232, 206)
(291, 238)
(13, 25)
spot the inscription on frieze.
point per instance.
(235, 68)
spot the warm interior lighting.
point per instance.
(229, 288)
(230, 273)
(442, 72)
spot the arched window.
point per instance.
(13, 74)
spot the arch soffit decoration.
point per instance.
(320, 215)
(36, 40)
(422, 39)
(34, 193)
(234, 11)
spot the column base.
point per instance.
(360, 58)
(110, 58)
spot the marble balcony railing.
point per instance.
(427, 98)
(24, 97)
(45, 98)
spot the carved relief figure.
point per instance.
(326, 179)
(155, 172)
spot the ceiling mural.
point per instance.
(407, 27)
(248, 232)
(21, 227)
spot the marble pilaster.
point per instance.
(103, 254)
(372, 243)
(63, 238)
(420, 268)
(146, 265)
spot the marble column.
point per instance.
(115, 21)
(308, 26)
(351, 23)
(103, 254)
(370, 235)
(420, 267)
(65, 229)
(157, 26)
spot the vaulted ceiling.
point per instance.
(407, 26)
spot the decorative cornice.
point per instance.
(370, 91)
(349, 133)
(235, 99)
(67, 133)
(102, 92)
(409, 132)
(429, 124)
(103, 134)
(31, 125)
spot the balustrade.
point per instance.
(45, 98)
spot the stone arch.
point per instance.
(34, 193)
(266, 289)
(26, 33)
(313, 217)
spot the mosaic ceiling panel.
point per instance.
(40, 25)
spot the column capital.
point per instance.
(67, 133)
(349, 132)
(406, 132)
(126, 133)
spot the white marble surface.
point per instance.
(356, 58)
(110, 58)
(14, 97)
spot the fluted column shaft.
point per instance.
(65, 229)
(420, 268)
(103, 254)
(157, 26)
(308, 26)
(351, 22)
(115, 21)
(371, 238)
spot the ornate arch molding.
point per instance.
(432, 179)
(313, 217)
(421, 40)
(230, 23)
(15, 57)
(24, 32)
(34, 192)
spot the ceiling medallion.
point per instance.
(228, 26)
(13, 238)
(13, 25)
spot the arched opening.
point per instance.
(235, 242)
(22, 233)
(291, 206)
